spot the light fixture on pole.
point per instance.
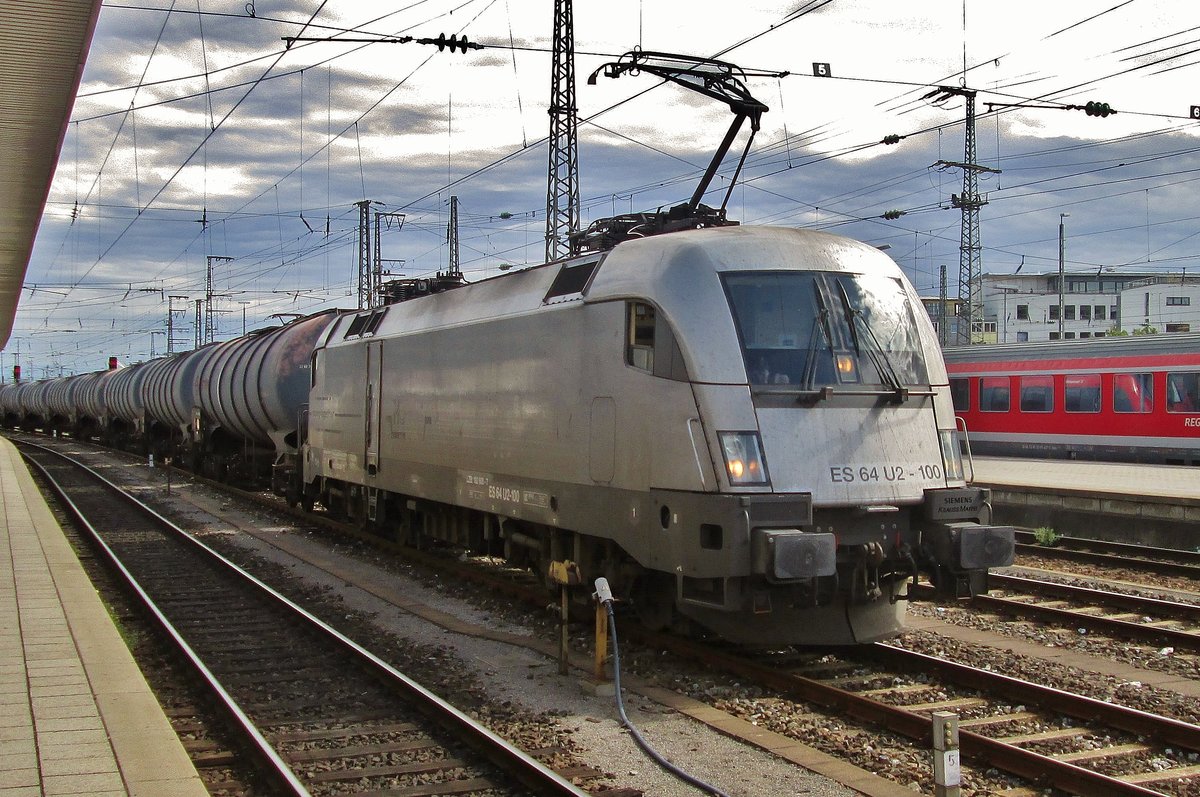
(1062, 259)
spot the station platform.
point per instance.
(1116, 478)
(1156, 505)
(76, 715)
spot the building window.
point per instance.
(1179, 301)
(1054, 312)
(1098, 312)
(1053, 336)
(1081, 392)
(993, 394)
(1069, 335)
(1179, 327)
(1022, 312)
(1085, 312)
(1085, 334)
(1133, 393)
(1037, 394)
(1098, 334)
(1069, 312)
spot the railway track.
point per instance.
(1151, 621)
(1159, 561)
(321, 714)
(1075, 743)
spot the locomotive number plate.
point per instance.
(870, 474)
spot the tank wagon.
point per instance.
(746, 429)
(227, 409)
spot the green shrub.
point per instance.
(1046, 536)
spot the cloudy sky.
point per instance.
(197, 133)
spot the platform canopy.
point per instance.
(43, 47)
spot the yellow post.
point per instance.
(563, 619)
(599, 672)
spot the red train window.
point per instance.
(1037, 394)
(1183, 392)
(960, 393)
(993, 394)
(1133, 393)
(1081, 392)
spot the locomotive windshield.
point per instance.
(809, 330)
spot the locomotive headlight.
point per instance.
(743, 458)
(951, 454)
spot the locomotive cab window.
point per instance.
(1133, 393)
(1081, 392)
(808, 330)
(1183, 392)
(1037, 394)
(650, 345)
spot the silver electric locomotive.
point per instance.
(744, 429)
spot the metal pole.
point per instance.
(1062, 260)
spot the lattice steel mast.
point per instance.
(970, 263)
(562, 185)
(366, 296)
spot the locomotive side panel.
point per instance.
(536, 417)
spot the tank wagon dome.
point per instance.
(255, 386)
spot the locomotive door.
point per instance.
(371, 417)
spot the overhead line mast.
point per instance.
(562, 184)
(970, 263)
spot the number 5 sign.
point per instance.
(823, 70)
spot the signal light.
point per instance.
(892, 215)
(1101, 109)
(891, 138)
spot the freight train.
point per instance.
(747, 431)
(1128, 399)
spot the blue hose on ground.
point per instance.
(604, 595)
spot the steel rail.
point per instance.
(1119, 600)
(1185, 564)
(269, 760)
(989, 752)
(511, 760)
(1110, 626)
(1166, 730)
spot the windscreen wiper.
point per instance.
(879, 358)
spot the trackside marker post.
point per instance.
(947, 769)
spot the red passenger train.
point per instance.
(1129, 399)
